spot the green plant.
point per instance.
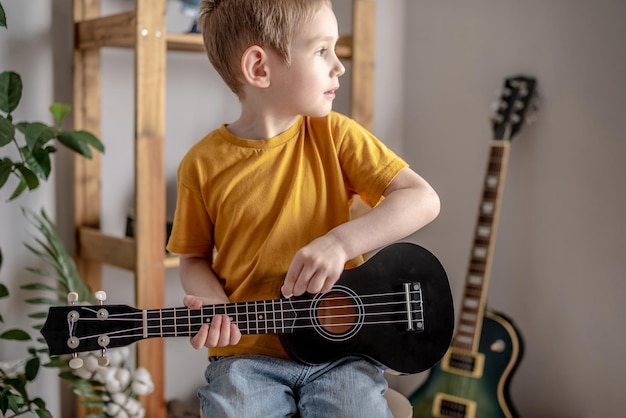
(114, 389)
(33, 142)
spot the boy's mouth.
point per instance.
(331, 92)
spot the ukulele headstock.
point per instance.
(516, 105)
(75, 328)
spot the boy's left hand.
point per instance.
(315, 268)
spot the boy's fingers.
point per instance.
(198, 340)
(192, 302)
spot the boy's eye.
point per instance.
(321, 52)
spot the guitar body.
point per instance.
(486, 395)
(391, 344)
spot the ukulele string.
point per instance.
(303, 306)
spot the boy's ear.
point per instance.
(255, 67)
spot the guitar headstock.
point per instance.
(517, 100)
(75, 329)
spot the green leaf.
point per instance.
(87, 392)
(32, 368)
(56, 362)
(42, 156)
(38, 315)
(89, 138)
(15, 334)
(73, 142)
(3, 17)
(102, 415)
(37, 134)
(32, 182)
(94, 403)
(19, 189)
(6, 167)
(43, 413)
(33, 165)
(10, 91)
(42, 286)
(4, 291)
(7, 131)
(60, 111)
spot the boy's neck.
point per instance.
(258, 123)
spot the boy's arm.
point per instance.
(410, 203)
(203, 288)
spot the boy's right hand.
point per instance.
(220, 333)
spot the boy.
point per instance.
(271, 192)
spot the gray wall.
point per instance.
(559, 263)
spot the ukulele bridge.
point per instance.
(414, 306)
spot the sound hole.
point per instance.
(336, 313)
(339, 314)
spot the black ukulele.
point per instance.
(395, 309)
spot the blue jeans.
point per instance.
(258, 386)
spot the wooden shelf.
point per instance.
(119, 31)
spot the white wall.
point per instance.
(559, 256)
(559, 261)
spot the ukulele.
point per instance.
(395, 309)
(472, 379)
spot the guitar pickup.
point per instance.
(414, 306)
(463, 363)
(448, 406)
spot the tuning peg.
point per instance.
(72, 298)
(103, 361)
(76, 362)
(101, 296)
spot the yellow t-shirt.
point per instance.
(259, 201)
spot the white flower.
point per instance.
(113, 409)
(142, 382)
(105, 374)
(118, 356)
(90, 363)
(132, 407)
(118, 380)
(83, 373)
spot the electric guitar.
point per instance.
(399, 298)
(472, 380)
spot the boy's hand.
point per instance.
(220, 333)
(315, 268)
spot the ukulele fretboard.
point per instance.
(256, 317)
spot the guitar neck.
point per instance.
(257, 317)
(472, 313)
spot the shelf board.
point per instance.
(119, 30)
(102, 248)
(117, 251)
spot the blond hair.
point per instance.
(229, 27)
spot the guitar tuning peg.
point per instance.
(104, 360)
(76, 362)
(101, 296)
(72, 298)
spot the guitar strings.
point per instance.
(303, 306)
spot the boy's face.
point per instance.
(308, 85)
